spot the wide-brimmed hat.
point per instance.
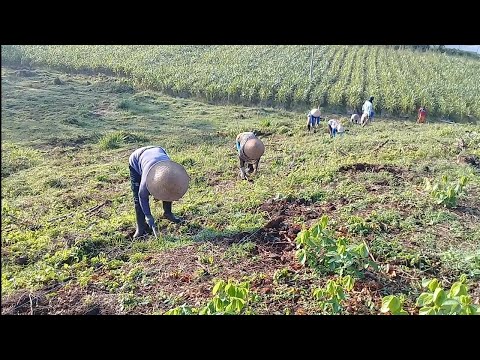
(254, 148)
(315, 112)
(167, 181)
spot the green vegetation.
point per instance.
(436, 301)
(445, 193)
(229, 298)
(68, 219)
(343, 76)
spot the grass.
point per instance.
(343, 76)
(68, 219)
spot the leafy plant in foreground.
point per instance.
(436, 300)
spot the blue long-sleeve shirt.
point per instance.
(313, 120)
(141, 161)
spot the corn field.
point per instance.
(342, 76)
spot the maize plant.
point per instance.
(334, 75)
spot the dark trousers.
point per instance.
(135, 179)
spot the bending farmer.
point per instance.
(153, 173)
(250, 150)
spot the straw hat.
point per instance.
(315, 112)
(254, 148)
(167, 181)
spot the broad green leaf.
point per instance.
(316, 231)
(451, 306)
(465, 300)
(230, 309)
(203, 311)
(318, 294)
(240, 303)
(439, 296)
(302, 237)
(450, 302)
(427, 310)
(310, 243)
(330, 287)
(301, 256)
(432, 285)
(458, 289)
(230, 290)
(175, 311)
(220, 284)
(218, 304)
(425, 282)
(470, 310)
(390, 303)
(335, 307)
(348, 282)
(242, 293)
(324, 221)
(424, 299)
(361, 250)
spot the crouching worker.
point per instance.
(250, 150)
(313, 119)
(335, 127)
(355, 119)
(153, 173)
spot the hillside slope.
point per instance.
(68, 217)
(342, 76)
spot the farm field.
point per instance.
(377, 228)
(342, 76)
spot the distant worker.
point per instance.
(153, 173)
(313, 119)
(250, 150)
(334, 127)
(422, 115)
(367, 111)
(355, 119)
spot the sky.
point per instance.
(472, 48)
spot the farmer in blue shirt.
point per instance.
(313, 119)
(153, 173)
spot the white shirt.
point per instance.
(333, 123)
(367, 107)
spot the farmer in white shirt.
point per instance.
(367, 110)
(334, 127)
